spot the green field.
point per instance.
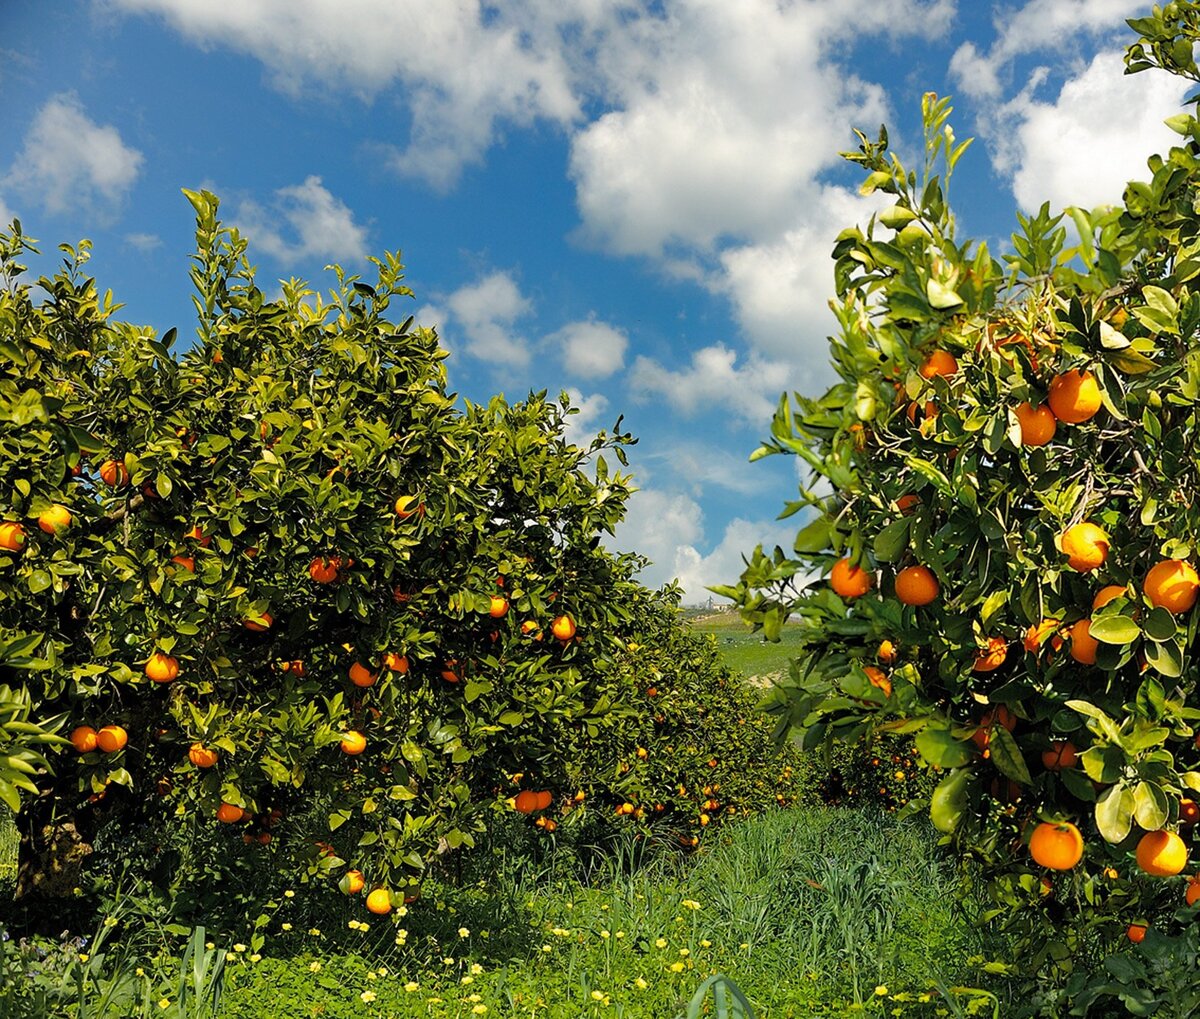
(743, 650)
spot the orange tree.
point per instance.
(1002, 556)
(279, 574)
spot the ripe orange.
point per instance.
(54, 519)
(324, 571)
(360, 675)
(1056, 846)
(12, 536)
(526, 801)
(939, 362)
(296, 667)
(916, 585)
(354, 743)
(83, 738)
(993, 657)
(162, 668)
(1106, 594)
(1083, 645)
(380, 901)
(111, 738)
(1189, 811)
(202, 756)
(395, 663)
(405, 507)
(1136, 932)
(186, 561)
(352, 882)
(498, 608)
(878, 679)
(887, 652)
(1085, 545)
(907, 504)
(256, 626)
(1038, 424)
(849, 580)
(1074, 396)
(982, 736)
(563, 627)
(544, 799)
(451, 673)
(1172, 585)
(199, 536)
(1193, 891)
(113, 473)
(1036, 635)
(1161, 853)
(228, 813)
(1062, 754)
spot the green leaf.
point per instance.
(1006, 755)
(1150, 806)
(1159, 624)
(814, 537)
(1103, 763)
(941, 296)
(1165, 658)
(892, 540)
(939, 748)
(1115, 629)
(1130, 362)
(1114, 813)
(950, 799)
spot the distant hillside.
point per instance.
(743, 650)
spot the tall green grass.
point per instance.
(744, 650)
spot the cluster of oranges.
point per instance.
(108, 739)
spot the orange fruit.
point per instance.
(405, 507)
(1106, 594)
(354, 743)
(185, 561)
(1083, 645)
(916, 585)
(1062, 754)
(113, 473)
(498, 607)
(1189, 811)
(993, 657)
(983, 735)
(1056, 846)
(1085, 545)
(324, 571)
(1036, 635)
(162, 668)
(563, 627)
(849, 580)
(360, 675)
(395, 663)
(526, 801)
(352, 882)
(259, 627)
(83, 739)
(907, 504)
(111, 738)
(54, 519)
(199, 536)
(201, 756)
(380, 901)
(1038, 424)
(887, 652)
(1136, 932)
(1074, 396)
(296, 667)
(1161, 853)
(543, 800)
(1193, 891)
(228, 813)
(939, 362)
(1172, 585)
(12, 536)
(878, 679)
(451, 673)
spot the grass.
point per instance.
(743, 650)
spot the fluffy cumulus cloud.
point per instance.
(668, 528)
(481, 319)
(590, 349)
(303, 221)
(1082, 148)
(713, 380)
(69, 162)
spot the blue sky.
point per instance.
(632, 200)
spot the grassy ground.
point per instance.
(743, 650)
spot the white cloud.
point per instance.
(581, 428)
(485, 314)
(1096, 136)
(6, 215)
(712, 382)
(668, 528)
(69, 162)
(315, 225)
(1038, 26)
(589, 348)
(144, 242)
